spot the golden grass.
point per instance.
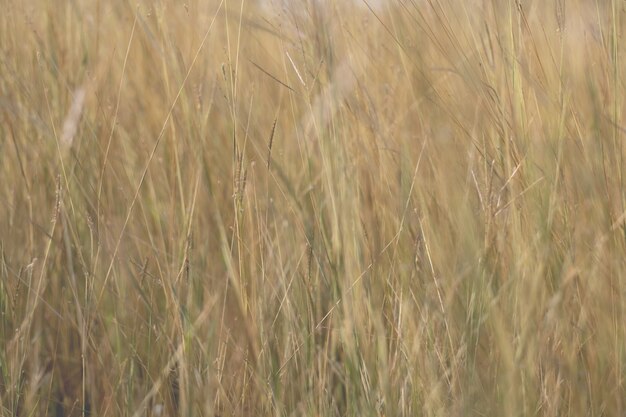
(222, 208)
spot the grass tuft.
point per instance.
(440, 230)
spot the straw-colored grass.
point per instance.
(308, 208)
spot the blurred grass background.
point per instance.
(227, 208)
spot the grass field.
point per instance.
(309, 208)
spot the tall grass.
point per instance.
(312, 209)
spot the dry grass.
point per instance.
(222, 208)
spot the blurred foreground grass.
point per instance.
(234, 209)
